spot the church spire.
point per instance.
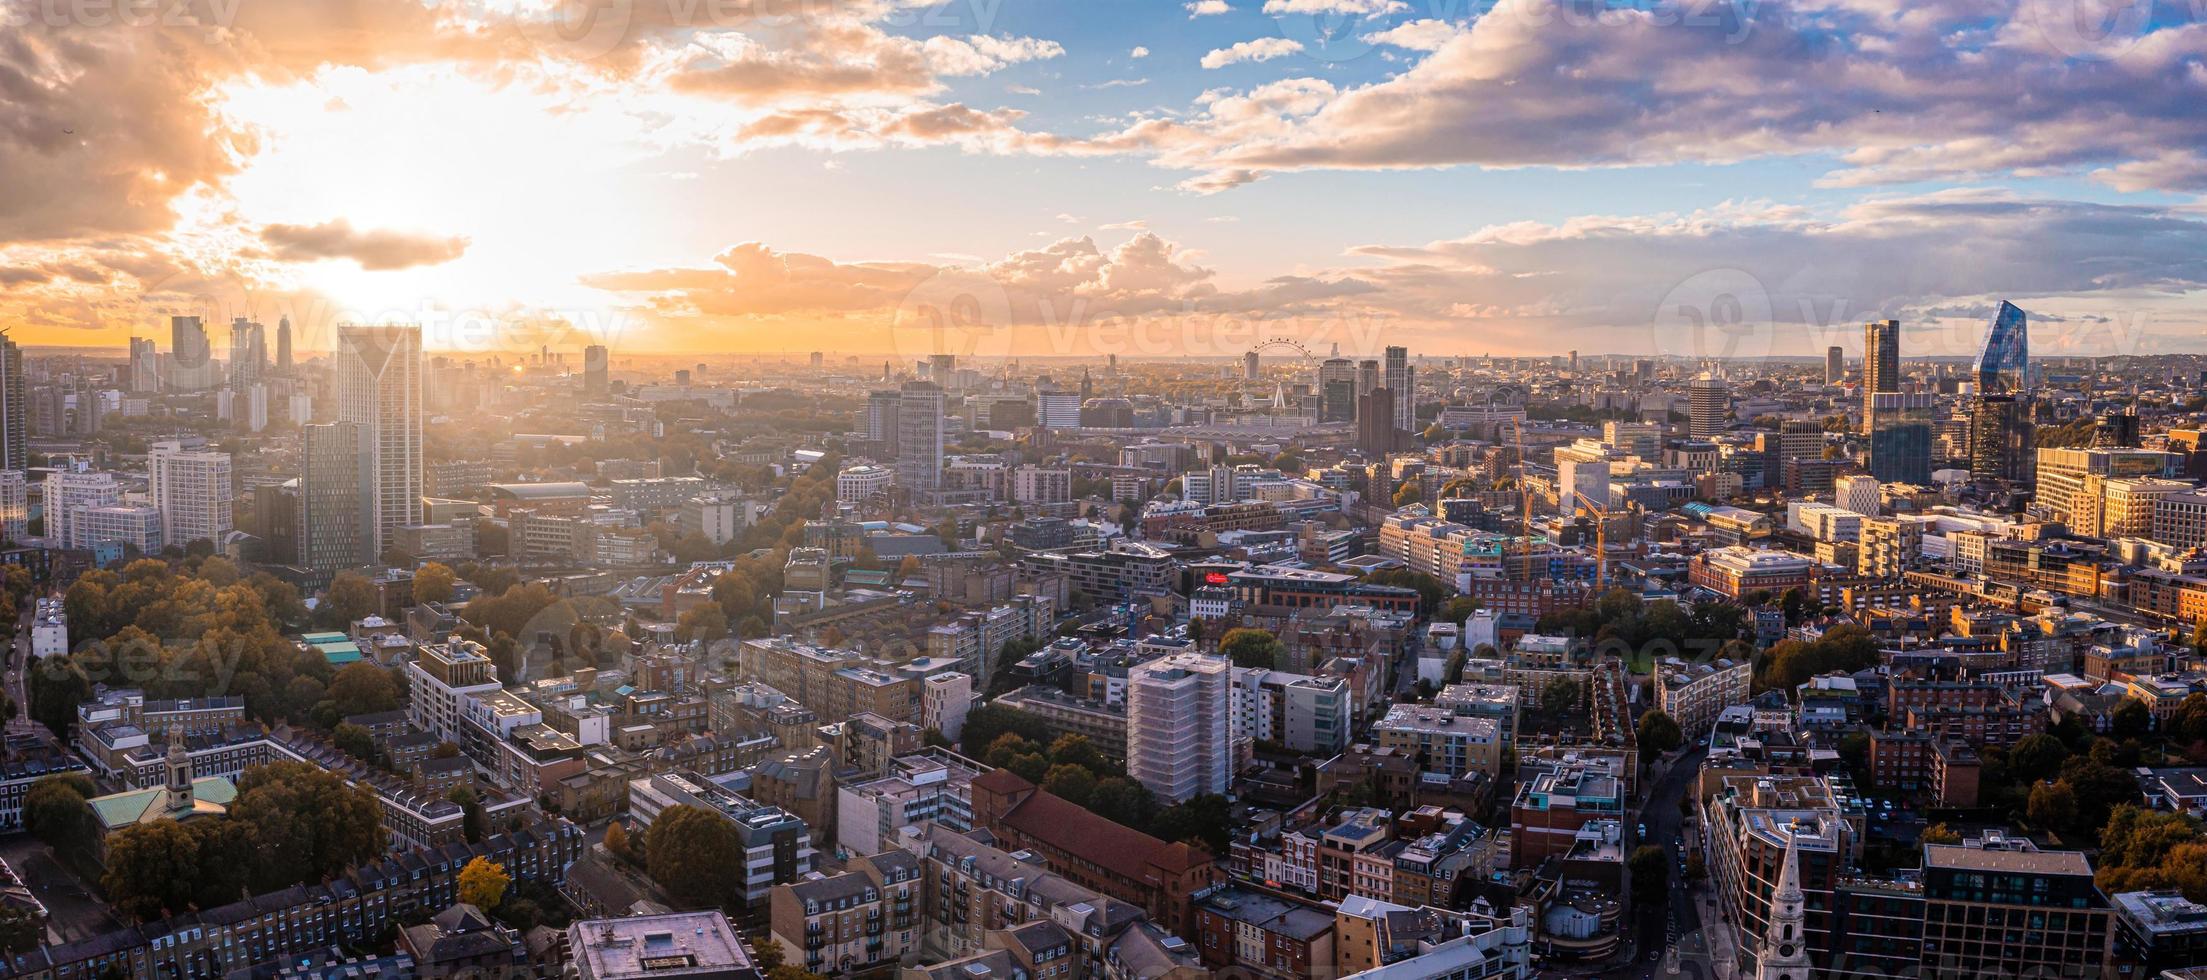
(180, 771)
(1785, 946)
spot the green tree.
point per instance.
(307, 822)
(150, 869)
(354, 741)
(362, 687)
(689, 851)
(706, 622)
(1071, 783)
(1659, 732)
(55, 811)
(473, 824)
(2036, 758)
(2132, 719)
(1205, 819)
(57, 685)
(1561, 693)
(1251, 647)
(1122, 800)
(1077, 750)
(20, 930)
(2053, 805)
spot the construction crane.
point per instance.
(1601, 540)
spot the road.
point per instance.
(1672, 926)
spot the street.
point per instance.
(1671, 929)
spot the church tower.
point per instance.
(180, 771)
(1785, 947)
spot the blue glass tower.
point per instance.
(2004, 366)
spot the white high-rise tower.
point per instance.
(379, 387)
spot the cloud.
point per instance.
(1417, 35)
(1261, 49)
(1205, 8)
(1957, 90)
(375, 250)
(1138, 52)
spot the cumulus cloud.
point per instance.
(1340, 8)
(1138, 52)
(373, 249)
(1261, 49)
(1952, 90)
(1205, 8)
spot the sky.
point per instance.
(1706, 178)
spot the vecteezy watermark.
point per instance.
(1721, 314)
(136, 14)
(970, 315)
(2091, 30)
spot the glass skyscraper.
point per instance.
(2004, 366)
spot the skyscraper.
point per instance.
(1337, 390)
(1180, 725)
(283, 345)
(1901, 437)
(333, 531)
(193, 491)
(248, 353)
(145, 365)
(2004, 365)
(1367, 377)
(881, 420)
(920, 437)
(1375, 423)
(1399, 381)
(1251, 367)
(1708, 399)
(191, 357)
(596, 365)
(379, 387)
(1835, 365)
(15, 407)
(1880, 365)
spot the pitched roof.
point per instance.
(1059, 823)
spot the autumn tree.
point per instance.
(309, 823)
(56, 812)
(351, 597)
(483, 883)
(688, 852)
(434, 582)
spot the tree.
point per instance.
(20, 930)
(2132, 719)
(706, 622)
(1123, 801)
(433, 582)
(1072, 783)
(1206, 819)
(55, 811)
(351, 597)
(1940, 833)
(362, 687)
(150, 868)
(1659, 732)
(688, 852)
(354, 741)
(2036, 758)
(2053, 805)
(1561, 693)
(616, 840)
(1411, 492)
(308, 823)
(1456, 610)
(1251, 647)
(1077, 750)
(57, 685)
(483, 883)
(1651, 873)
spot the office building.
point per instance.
(2001, 439)
(1375, 423)
(1056, 409)
(2004, 364)
(2072, 483)
(881, 420)
(689, 945)
(1835, 365)
(2002, 907)
(283, 345)
(1708, 401)
(1367, 378)
(15, 506)
(248, 353)
(1880, 365)
(334, 477)
(1400, 381)
(379, 388)
(1901, 437)
(191, 356)
(122, 525)
(920, 437)
(596, 366)
(145, 365)
(1250, 366)
(1179, 731)
(192, 489)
